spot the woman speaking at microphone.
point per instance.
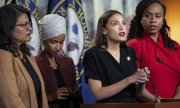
(110, 65)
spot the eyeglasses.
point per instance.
(25, 25)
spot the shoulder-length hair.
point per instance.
(8, 17)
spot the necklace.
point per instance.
(23, 58)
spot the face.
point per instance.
(22, 30)
(115, 30)
(152, 19)
(54, 45)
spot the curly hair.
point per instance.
(136, 28)
(8, 17)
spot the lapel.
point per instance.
(63, 67)
(48, 71)
(34, 65)
(29, 82)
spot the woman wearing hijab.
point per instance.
(57, 70)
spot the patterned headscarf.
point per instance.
(51, 26)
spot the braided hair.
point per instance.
(136, 28)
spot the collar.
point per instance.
(149, 39)
(43, 55)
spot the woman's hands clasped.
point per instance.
(63, 93)
(60, 94)
(141, 76)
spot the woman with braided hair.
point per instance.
(149, 36)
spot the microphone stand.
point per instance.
(153, 86)
(160, 61)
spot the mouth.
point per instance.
(122, 34)
(153, 27)
(28, 34)
(56, 52)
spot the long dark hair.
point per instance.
(8, 17)
(136, 28)
(100, 38)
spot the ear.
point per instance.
(104, 31)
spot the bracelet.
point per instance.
(155, 100)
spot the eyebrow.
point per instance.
(56, 40)
(153, 13)
(53, 40)
(117, 21)
(25, 21)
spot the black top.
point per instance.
(60, 81)
(35, 79)
(59, 78)
(99, 64)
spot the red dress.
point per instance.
(164, 78)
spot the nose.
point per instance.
(58, 47)
(29, 29)
(121, 26)
(153, 19)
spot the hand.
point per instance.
(158, 100)
(60, 94)
(146, 72)
(143, 75)
(75, 91)
(140, 76)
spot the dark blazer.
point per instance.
(66, 67)
(16, 86)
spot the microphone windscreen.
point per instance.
(158, 59)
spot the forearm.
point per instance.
(177, 95)
(108, 91)
(144, 95)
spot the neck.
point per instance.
(49, 54)
(111, 45)
(52, 62)
(52, 59)
(113, 48)
(154, 36)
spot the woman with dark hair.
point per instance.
(21, 84)
(149, 36)
(110, 65)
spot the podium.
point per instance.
(132, 105)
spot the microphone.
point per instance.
(153, 86)
(160, 61)
(151, 82)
